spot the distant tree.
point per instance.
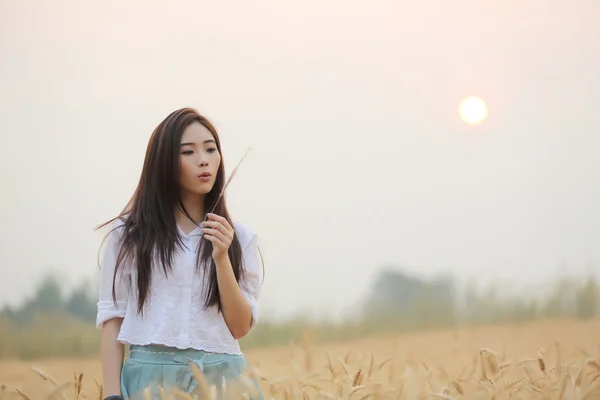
(522, 310)
(484, 306)
(392, 292)
(7, 313)
(49, 297)
(562, 300)
(400, 299)
(587, 300)
(81, 304)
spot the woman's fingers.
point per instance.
(220, 227)
(222, 220)
(217, 234)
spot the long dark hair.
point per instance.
(149, 227)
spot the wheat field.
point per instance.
(541, 360)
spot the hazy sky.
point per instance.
(359, 158)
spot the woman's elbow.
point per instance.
(240, 333)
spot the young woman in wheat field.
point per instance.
(179, 280)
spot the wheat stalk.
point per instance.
(233, 172)
(59, 390)
(529, 377)
(23, 395)
(202, 382)
(45, 376)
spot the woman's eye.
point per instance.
(187, 152)
(212, 150)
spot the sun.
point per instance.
(473, 110)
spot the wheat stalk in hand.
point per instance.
(228, 181)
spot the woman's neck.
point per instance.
(194, 205)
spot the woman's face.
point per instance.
(199, 160)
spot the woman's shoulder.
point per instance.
(118, 223)
(244, 232)
(115, 228)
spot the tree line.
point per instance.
(54, 323)
(50, 299)
(413, 303)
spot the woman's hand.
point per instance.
(220, 232)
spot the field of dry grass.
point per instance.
(542, 360)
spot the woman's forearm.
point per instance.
(236, 310)
(111, 353)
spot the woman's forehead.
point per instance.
(196, 133)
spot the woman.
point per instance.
(178, 283)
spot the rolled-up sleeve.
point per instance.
(252, 278)
(108, 308)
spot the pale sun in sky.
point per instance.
(473, 110)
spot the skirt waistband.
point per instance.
(165, 354)
(151, 361)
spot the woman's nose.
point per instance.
(202, 160)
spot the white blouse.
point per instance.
(174, 314)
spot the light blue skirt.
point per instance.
(148, 369)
